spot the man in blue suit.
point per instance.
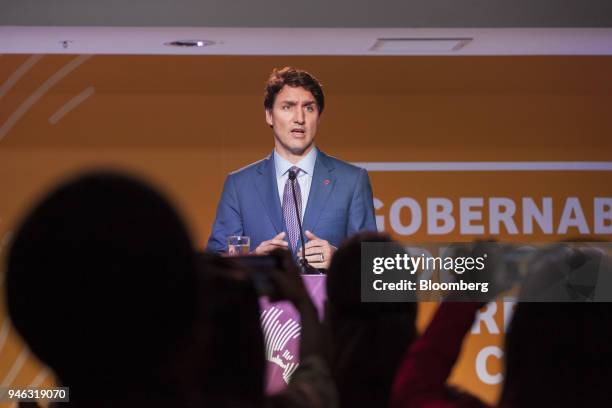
(334, 198)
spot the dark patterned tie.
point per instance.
(289, 211)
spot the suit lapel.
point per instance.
(268, 192)
(323, 182)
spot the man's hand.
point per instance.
(278, 242)
(318, 251)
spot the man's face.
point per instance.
(294, 119)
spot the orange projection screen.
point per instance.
(494, 134)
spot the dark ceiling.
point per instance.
(312, 13)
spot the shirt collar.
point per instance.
(307, 163)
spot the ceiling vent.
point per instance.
(418, 45)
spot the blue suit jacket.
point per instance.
(339, 203)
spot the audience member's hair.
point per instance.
(558, 354)
(236, 363)
(294, 78)
(367, 339)
(101, 285)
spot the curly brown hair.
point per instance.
(293, 77)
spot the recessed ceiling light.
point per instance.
(420, 44)
(190, 43)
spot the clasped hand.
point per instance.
(318, 251)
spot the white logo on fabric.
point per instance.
(277, 335)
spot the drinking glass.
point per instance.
(238, 245)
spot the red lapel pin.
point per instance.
(326, 181)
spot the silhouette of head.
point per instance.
(101, 283)
(367, 339)
(236, 361)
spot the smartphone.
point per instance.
(260, 267)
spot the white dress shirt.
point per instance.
(304, 177)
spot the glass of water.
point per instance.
(238, 245)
